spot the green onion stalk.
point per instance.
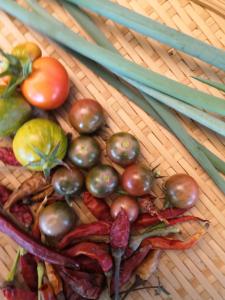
(108, 58)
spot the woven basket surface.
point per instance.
(198, 273)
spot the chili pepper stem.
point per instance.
(108, 276)
(68, 200)
(40, 272)
(117, 254)
(12, 272)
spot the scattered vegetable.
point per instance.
(56, 219)
(181, 191)
(84, 152)
(28, 269)
(119, 237)
(13, 293)
(27, 49)
(14, 111)
(48, 85)
(98, 207)
(150, 264)
(137, 180)
(97, 228)
(67, 181)
(26, 189)
(123, 148)
(102, 180)
(86, 116)
(7, 156)
(126, 203)
(40, 145)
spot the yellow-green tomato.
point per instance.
(40, 144)
(27, 49)
(14, 111)
(57, 219)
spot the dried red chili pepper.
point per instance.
(69, 293)
(12, 293)
(172, 244)
(46, 292)
(146, 219)
(85, 230)
(28, 268)
(98, 207)
(20, 211)
(23, 214)
(86, 285)
(94, 251)
(7, 156)
(88, 265)
(130, 265)
(4, 194)
(119, 237)
(186, 219)
(24, 240)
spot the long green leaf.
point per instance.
(114, 61)
(156, 110)
(155, 30)
(191, 112)
(217, 85)
(90, 27)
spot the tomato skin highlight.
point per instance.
(48, 85)
(86, 116)
(137, 180)
(40, 134)
(182, 191)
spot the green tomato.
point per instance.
(40, 145)
(14, 111)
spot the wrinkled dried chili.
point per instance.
(28, 269)
(98, 207)
(46, 292)
(94, 251)
(88, 265)
(13, 293)
(7, 156)
(28, 187)
(130, 265)
(54, 279)
(119, 238)
(173, 244)
(146, 219)
(24, 240)
(86, 285)
(85, 230)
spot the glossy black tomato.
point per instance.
(181, 191)
(86, 116)
(57, 219)
(67, 181)
(123, 148)
(102, 180)
(137, 180)
(84, 152)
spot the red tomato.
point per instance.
(48, 85)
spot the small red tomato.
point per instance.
(86, 116)
(137, 180)
(48, 85)
(129, 204)
(182, 191)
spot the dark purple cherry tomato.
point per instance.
(86, 116)
(67, 182)
(137, 180)
(129, 204)
(102, 180)
(123, 148)
(57, 219)
(181, 191)
(84, 152)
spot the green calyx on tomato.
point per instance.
(14, 111)
(18, 68)
(40, 145)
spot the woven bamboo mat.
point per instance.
(200, 272)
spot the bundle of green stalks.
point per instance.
(157, 95)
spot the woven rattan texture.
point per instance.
(195, 274)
